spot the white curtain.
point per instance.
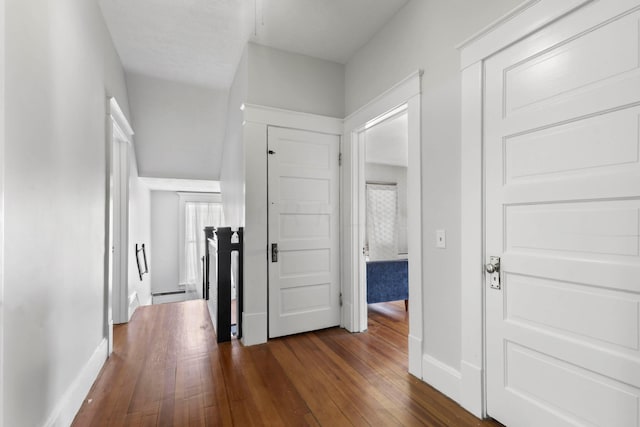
(382, 221)
(198, 215)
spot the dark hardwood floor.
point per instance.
(168, 370)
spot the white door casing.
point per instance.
(406, 92)
(119, 137)
(563, 211)
(109, 248)
(2, 156)
(303, 204)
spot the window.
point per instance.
(197, 211)
(382, 221)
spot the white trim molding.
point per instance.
(291, 119)
(2, 162)
(515, 25)
(254, 328)
(523, 21)
(177, 184)
(119, 140)
(441, 376)
(120, 120)
(407, 92)
(73, 398)
(134, 303)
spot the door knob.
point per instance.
(493, 266)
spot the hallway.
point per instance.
(167, 369)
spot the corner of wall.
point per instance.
(254, 328)
(139, 233)
(471, 386)
(415, 356)
(71, 401)
(232, 169)
(441, 376)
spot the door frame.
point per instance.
(2, 161)
(119, 139)
(407, 92)
(255, 120)
(521, 22)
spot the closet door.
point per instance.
(562, 138)
(303, 197)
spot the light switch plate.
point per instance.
(441, 239)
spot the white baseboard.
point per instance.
(441, 376)
(471, 387)
(162, 299)
(254, 328)
(415, 356)
(347, 317)
(134, 302)
(71, 401)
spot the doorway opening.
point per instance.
(386, 143)
(400, 103)
(119, 135)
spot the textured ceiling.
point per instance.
(201, 41)
(327, 29)
(191, 41)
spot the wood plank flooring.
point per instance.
(168, 370)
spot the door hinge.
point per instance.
(339, 159)
(340, 299)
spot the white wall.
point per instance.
(164, 241)
(422, 36)
(295, 82)
(2, 156)
(139, 232)
(60, 68)
(232, 171)
(179, 128)
(376, 172)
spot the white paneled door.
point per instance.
(562, 150)
(303, 197)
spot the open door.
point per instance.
(303, 198)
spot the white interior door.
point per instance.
(304, 287)
(562, 141)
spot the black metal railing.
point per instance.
(224, 248)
